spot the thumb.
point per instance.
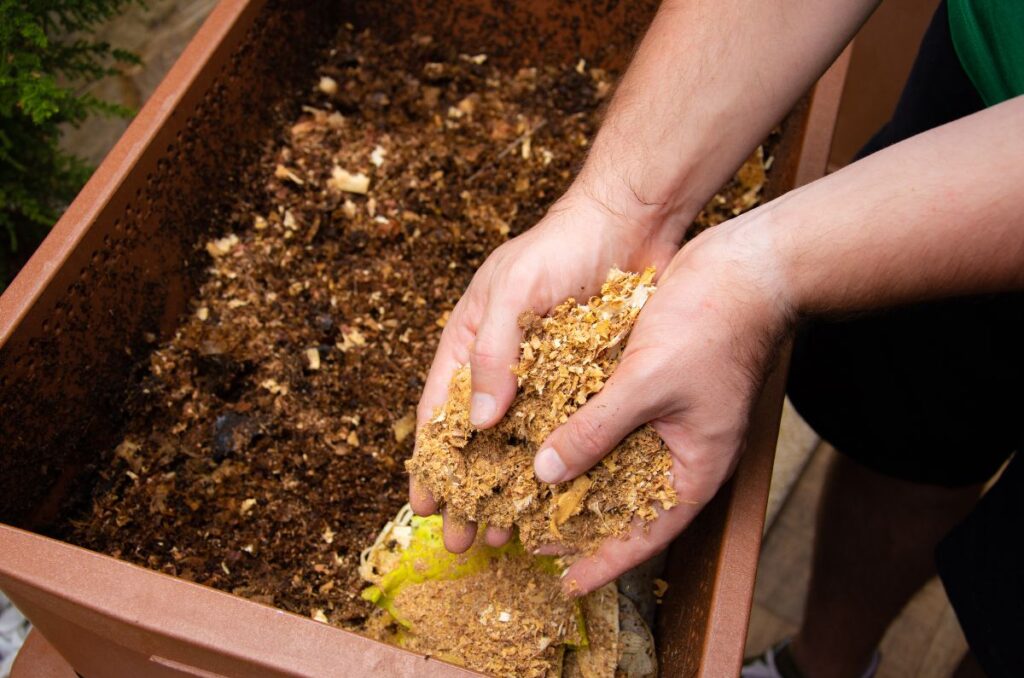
(494, 352)
(627, 401)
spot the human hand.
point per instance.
(567, 254)
(693, 368)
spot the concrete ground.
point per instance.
(157, 32)
(924, 642)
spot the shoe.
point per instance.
(776, 662)
(13, 629)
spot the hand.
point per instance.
(567, 254)
(693, 368)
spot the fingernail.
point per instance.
(548, 466)
(481, 408)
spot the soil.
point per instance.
(267, 436)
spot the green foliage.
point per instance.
(47, 58)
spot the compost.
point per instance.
(266, 437)
(487, 476)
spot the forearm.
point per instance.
(937, 215)
(708, 82)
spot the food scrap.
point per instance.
(497, 610)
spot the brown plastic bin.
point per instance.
(118, 265)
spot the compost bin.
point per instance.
(115, 276)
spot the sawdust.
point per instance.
(504, 621)
(496, 610)
(487, 476)
(499, 610)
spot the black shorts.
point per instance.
(934, 394)
(981, 563)
(928, 393)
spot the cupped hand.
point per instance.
(693, 368)
(567, 254)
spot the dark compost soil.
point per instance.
(266, 438)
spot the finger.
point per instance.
(495, 351)
(629, 399)
(420, 499)
(700, 466)
(497, 536)
(452, 353)
(458, 535)
(616, 556)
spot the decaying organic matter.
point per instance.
(265, 437)
(497, 610)
(487, 475)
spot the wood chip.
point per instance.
(328, 85)
(286, 174)
(343, 180)
(222, 246)
(404, 427)
(247, 506)
(313, 358)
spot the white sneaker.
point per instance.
(13, 629)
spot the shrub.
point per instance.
(47, 58)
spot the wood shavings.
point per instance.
(286, 174)
(328, 85)
(377, 156)
(221, 246)
(313, 358)
(343, 180)
(487, 476)
(352, 338)
(404, 427)
(660, 587)
(349, 208)
(274, 387)
(742, 193)
(569, 503)
(440, 611)
(496, 610)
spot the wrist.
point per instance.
(649, 210)
(750, 253)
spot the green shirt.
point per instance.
(989, 39)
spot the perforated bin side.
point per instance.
(120, 263)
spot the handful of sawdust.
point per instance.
(487, 476)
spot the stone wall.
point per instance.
(157, 32)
